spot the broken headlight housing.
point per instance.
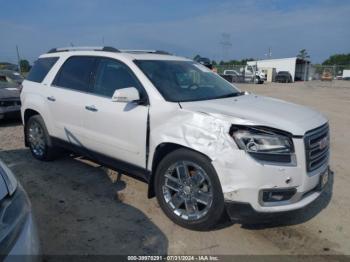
(264, 144)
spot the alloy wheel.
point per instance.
(187, 190)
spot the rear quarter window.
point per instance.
(75, 73)
(40, 69)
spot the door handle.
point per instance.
(91, 108)
(51, 98)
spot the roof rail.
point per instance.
(141, 51)
(84, 48)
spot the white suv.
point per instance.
(202, 145)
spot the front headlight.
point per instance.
(8, 177)
(264, 144)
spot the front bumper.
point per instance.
(245, 214)
(243, 180)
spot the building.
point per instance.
(298, 68)
(269, 72)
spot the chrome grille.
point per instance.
(317, 147)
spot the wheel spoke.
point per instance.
(177, 200)
(172, 183)
(174, 179)
(202, 197)
(41, 144)
(191, 206)
(182, 171)
(198, 178)
(31, 138)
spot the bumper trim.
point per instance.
(297, 197)
(244, 213)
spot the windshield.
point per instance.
(181, 81)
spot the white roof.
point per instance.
(273, 60)
(127, 55)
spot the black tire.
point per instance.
(256, 80)
(216, 210)
(49, 151)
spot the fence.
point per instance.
(336, 71)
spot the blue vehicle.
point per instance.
(18, 233)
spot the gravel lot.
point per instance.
(82, 208)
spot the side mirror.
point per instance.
(125, 95)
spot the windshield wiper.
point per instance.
(231, 95)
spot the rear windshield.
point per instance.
(40, 69)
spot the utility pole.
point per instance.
(226, 45)
(306, 69)
(19, 60)
(269, 53)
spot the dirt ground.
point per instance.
(82, 208)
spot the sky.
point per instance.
(184, 28)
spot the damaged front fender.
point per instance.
(205, 133)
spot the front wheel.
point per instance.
(188, 190)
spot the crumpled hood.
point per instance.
(260, 110)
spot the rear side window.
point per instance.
(40, 69)
(112, 75)
(75, 73)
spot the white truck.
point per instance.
(346, 74)
(247, 74)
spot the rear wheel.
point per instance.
(39, 140)
(188, 190)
